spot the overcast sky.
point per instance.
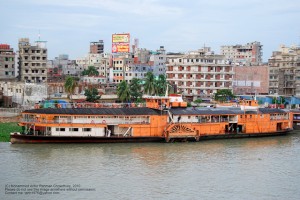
(69, 26)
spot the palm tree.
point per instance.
(90, 71)
(149, 85)
(123, 91)
(135, 88)
(70, 85)
(161, 84)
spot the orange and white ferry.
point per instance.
(160, 119)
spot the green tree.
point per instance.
(70, 85)
(150, 84)
(198, 101)
(123, 91)
(223, 95)
(92, 95)
(135, 88)
(278, 100)
(161, 84)
(90, 71)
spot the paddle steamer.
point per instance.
(160, 119)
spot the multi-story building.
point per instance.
(32, 61)
(105, 66)
(120, 65)
(252, 80)
(97, 47)
(89, 60)
(158, 60)
(61, 67)
(94, 79)
(7, 62)
(249, 54)
(284, 71)
(200, 73)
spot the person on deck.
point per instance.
(179, 118)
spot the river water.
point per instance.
(251, 168)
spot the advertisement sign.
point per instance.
(121, 38)
(120, 43)
(120, 48)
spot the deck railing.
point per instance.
(89, 105)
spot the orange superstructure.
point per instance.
(162, 119)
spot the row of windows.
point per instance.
(74, 129)
(34, 51)
(35, 71)
(12, 66)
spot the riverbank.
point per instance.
(8, 125)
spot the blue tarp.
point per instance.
(51, 103)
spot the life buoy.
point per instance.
(103, 122)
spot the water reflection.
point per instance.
(250, 167)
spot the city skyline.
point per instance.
(70, 26)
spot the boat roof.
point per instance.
(149, 111)
(222, 111)
(96, 111)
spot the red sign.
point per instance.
(120, 48)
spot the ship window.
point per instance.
(73, 129)
(86, 129)
(241, 116)
(60, 129)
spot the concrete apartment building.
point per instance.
(97, 47)
(32, 61)
(251, 80)
(158, 60)
(249, 54)
(284, 71)
(121, 64)
(199, 74)
(7, 62)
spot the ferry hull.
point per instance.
(19, 138)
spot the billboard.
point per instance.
(121, 38)
(120, 48)
(120, 43)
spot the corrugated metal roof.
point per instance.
(271, 110)
(148, 111)
(205, 111)
(97, 111)
(223, 111)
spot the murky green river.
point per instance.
(256, 168)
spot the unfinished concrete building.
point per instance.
(284, 71)
(32, 61)
(7, 62)
(97, 47)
